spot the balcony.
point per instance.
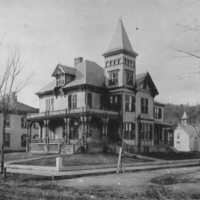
(69, 112)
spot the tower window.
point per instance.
(130, 103)
(129, 77)
(113, 78)
(119, 61)
(89, 100)
(115, 62)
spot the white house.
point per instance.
(186, 137)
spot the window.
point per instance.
(23, 140)
(144, 85)
(178, 135)
(146, 132)
(107, 64)
(72, 101)
(60, 79)
(7, 120)
(113, 78)
(7, 140)
(144, 106)
(119, 61)
(115, 102)
(115, 62)
(89, 100)
(130, 103)
(35, 125)
(50, 104)
(129, 77)
(23, 122)
(129, 131)
(157, 113)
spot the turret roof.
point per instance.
(120, 40)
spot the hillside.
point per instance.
(173, 113)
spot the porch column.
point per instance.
(28, 137)
(153, 134)
(40, 131)
(88, 120)
(46, 131)
(66, 130)
(105, 129)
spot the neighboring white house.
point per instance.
(186, 137)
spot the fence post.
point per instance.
(59, 164)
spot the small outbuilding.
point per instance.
(186, 136)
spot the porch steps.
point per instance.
(173, 149)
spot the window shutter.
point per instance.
(75, 101)
(69, 101)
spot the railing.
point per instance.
(77, 145)
(36, 147)
(70, 111)
(128, 148)
(56, 141)
(37, 141)
(54, 148)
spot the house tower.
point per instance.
(120, 60)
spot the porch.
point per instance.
(71, 131)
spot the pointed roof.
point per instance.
(64, 69)
(140, 78)
(120, 40)
(185, 115)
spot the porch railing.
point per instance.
(37, 141)
(77, 145)
(70, 111)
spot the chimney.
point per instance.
(78, 60)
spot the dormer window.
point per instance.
(60, 79)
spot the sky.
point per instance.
(50, 32)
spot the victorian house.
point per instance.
(90, 107)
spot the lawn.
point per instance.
(81, 160)
(22, 155)
(174, 156)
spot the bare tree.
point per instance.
(9, 85)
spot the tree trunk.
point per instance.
(2, 144)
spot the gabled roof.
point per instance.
(86, 72)
(190, 130)
(48, 88)
(64, 69)
(159, 104)
(120, 40)
(18, 106)
(140, 78)
(22, 108)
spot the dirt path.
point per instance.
(115, 186)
